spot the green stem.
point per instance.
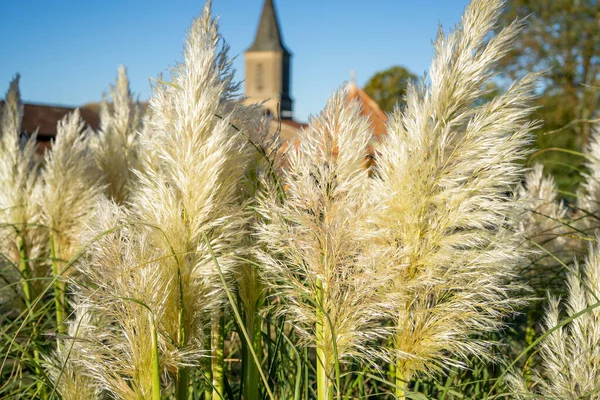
(217, 350)
(182, 371)
(529, 338)
(155, 363)
(28, 294)
(324, 385)
(251, 374)
(24, 268)
(59, 291)
(401, 381)
(238, 318)
(207, 372)
(182, 383)
(306, 375)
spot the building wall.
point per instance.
(266, 78)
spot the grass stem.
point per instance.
(238, 318)
(251, 375)
(28, 294)
(155, 361)
(182, 371)
(217, 351)
(59, 291)
(401, 382)
(324, 386)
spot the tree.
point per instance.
(561, 37)
(388, 87)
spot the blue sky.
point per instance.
(68, 51)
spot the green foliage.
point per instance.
(388, 87)
(561, 37)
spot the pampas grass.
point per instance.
(70, 190)
(546, 211)
(22, 239)
(67, 365)
(445, 174)
(570, 366)
(335, 269)
(161, 267)
(116, 147)
(195, 190)
(588, 195)
(71, 187)
(316, 240)
(126, 289)
(549, 231)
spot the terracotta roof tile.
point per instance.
(370, 109)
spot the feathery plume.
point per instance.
(67, 365)
(22, 239)
(19, 209)
(12, 114)
(445, 174)
(315, 239)
(542, 224)
(194, 191)
(588, 195)
(160, 266)
(70, 191)
(116, 147)
(71, 185)
(570, 367)
(250, 287)
(128, 289)
(546, 224)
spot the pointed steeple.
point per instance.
(268, 67)
(268, 36)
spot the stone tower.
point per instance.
(268, 66)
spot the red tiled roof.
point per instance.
(370, 109)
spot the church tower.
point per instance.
(268, 66)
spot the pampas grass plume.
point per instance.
(116, 147)
(19, 207)
(156, 265)
(445, 174)
(315, 240)
(71, 185)
(588, 195)
(570, 367)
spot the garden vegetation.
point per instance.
(188, 254)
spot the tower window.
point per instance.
(260, 77)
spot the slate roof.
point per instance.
(268, 35)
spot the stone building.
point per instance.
(267, 67)
(268, 73)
